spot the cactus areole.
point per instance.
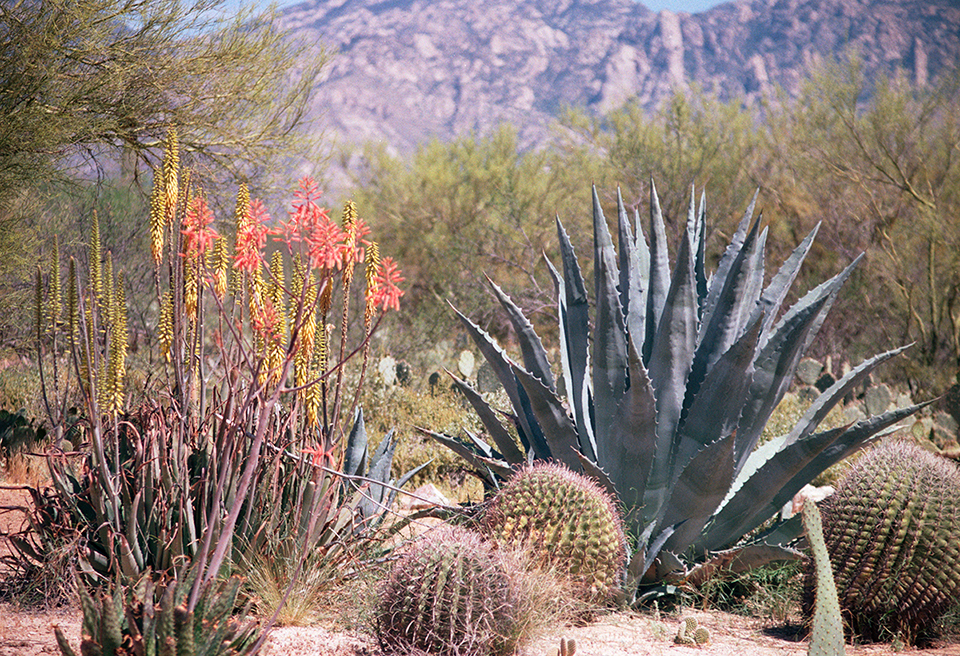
(668, 389)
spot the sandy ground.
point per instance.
(25, 632)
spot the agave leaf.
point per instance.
(628, 446)
(633, 293)
(558, 429)
(659, 281)
(699, 262)
(699, 490)
(776, 292)
(609, 333)
(531, 348)
(734, 300)
(715, 410)
(669, 366)
(574, 331)
(503, 368)
(478, 462)
(593, 470)
(739, 560)
(505, 444)
(732, 251)
(755, 495)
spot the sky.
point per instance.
(692, 6)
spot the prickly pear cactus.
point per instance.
(892, 529)
(450, 594)
(568, 523)
(826, 638)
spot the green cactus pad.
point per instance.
(893, 533)
(450, 594)
(567, 522)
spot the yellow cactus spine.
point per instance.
(158, 216)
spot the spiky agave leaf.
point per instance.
(668, 394)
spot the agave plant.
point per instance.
(666, 398)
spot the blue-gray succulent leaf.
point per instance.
(355, 454)
(609, 360)
(481, 464)
(698, 492)
(718, 280)
(776, 291)
(531, 348)
(658, 285)
(633, 294)
(488, 417)
(557, 428)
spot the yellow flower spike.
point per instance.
(96, 279)
(191, 288)
(72, 301)
(118, 348)
(158, 216)
(240, 219)
(308, 331)
(350, 217)
(371, 264)
(165, 325)
(220, 266)
(54, 307)
(106, 302)
(171, 170)
(326, 298)
(312, 402)
(38, 306)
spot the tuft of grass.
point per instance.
(770, 592)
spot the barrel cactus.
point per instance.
(450, 594)
(568, 523)
(893, 532)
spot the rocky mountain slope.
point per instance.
(409, 70)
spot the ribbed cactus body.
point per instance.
(450, 594)
(893, 532)
(567, 522)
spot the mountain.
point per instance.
(409, 70)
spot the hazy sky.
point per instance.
(691, 6)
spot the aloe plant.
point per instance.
(666, 398)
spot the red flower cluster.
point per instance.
(386, 293)
(252, 237)
(198, 236)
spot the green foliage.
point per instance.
(669, 405)
(892, 530)
(568, 524)
(826, 638)
(154, 619)
(451, 593)
(476, 200)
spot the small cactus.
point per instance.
(827, 636)
(567, 523)
(568, 647)
(691, 634)
(451, 594)
(893, 533)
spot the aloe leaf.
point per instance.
(633, 297)
(552, 417)
(503, 369)
(702, 486)
(628, 447)
(659, 278)
(609, 333)
(670, 360)
(355, 454)
(505, 444)
(531, 348)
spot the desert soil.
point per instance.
(26, 632)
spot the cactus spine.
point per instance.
(827, 636)
(451, 594)
(893, 533)
(568, 523)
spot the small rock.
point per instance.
(487, 380)
(425, 496)
(808, 371)
(387, 367)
